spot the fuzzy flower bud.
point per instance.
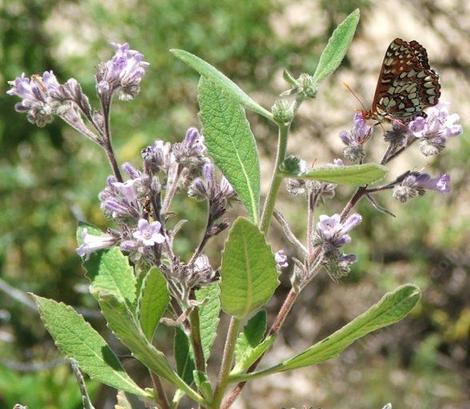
(158, 157)
(281, 259)
(308, 87)
(282, 111)
(191, 152)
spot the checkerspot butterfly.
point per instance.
(406, 85)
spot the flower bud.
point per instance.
(282, 111)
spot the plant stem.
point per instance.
(275, 327)
(360, 192)
(171, 191)
(196, 340)
(276, 179)
(107, 143)
(227, 359)
(160, 395)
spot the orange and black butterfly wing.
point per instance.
(406, 85)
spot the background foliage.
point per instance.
(50, 177)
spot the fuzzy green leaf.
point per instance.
(251, 335)
(126, 328)
(109, 270)
(78, 340)
(209, 311)
(153, 300)
(337, 47)
(230, 142)
(346, 175)
(393, 307)
(183, 356)
(203, 384)
(248, 272)
(213, 74)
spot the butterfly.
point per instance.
(406, 85)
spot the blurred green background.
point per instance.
(50, 177)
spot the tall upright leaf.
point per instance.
(248, 272)
(337, 47)
(209, 311)
(183, 356)
(230, 142)
(153, 300)
(213, 74)
(78, 340)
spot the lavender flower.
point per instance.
(123, 72)
(417, 183)
(434, 130)
(148, 234)
(92, 243)
(35, 97)
(332, 232)
(191, 153)
(356, 138)
(281, 259)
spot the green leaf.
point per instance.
(337, 47)
(213, 74)
(203, 384)
(230, 142)
(153, 300)
(393, 307)
(78, 340)
(209, 311)
(183, 356)
(346, 175)
(251, 335)
(248, 272)
(126, 328)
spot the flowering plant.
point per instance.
(139, 280)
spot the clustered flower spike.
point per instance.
(123, 72)
(416, 183)
(434, 130)
(356, 138)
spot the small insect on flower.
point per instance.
(406, 85)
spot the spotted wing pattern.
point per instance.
(407, 84)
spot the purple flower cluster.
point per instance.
(123, 72)
(416, 183)
(356, 138)
(434, 130)
(36, 97)
(331, 234)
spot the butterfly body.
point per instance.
(406, 85)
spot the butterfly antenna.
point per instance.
(354, 95)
